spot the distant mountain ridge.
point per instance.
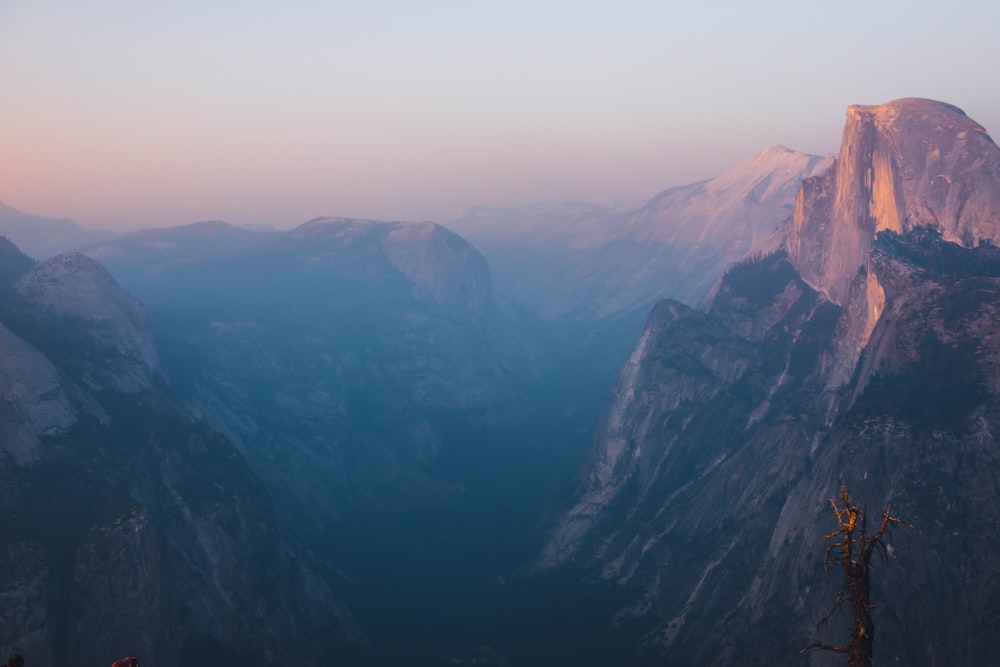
(579, 262)
(44, 237)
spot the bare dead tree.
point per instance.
(852, 548)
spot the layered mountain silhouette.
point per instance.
(269, 428)
(577, 263)
(42, 238)
(863, 351)
(373, 383)
(322, 351)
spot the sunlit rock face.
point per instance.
(866, 353)
(907, 164)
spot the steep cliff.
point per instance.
(33, 402)
(127, 527)
(907, 164)
(865, 354)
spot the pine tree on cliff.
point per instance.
(853, 549)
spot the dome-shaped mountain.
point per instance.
(442, 268)
(74, 288)
(902, 165)
(907, 164)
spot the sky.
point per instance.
(122, 114)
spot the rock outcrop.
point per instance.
(904, 165)
(33, 402)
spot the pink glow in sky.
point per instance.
(122, 114)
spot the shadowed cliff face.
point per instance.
(868, 356)
(33, 402)
(129, 529)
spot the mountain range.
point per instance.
(860, 352)
(42, 238)
(375, 443)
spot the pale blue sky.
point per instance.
(121, 114)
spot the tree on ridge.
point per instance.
(852, 547)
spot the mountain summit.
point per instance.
(908, 164)
(902, 165)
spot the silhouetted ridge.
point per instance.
(13, 263)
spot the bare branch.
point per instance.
(841, 599)
(825, 647)
(884, 531)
